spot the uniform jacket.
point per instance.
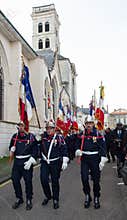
(71, 141)
(59, 147)
(119, 141)
(92, 142)
(25, 145)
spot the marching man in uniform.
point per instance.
(54, 157)
(71, 140)
(23, 149)
(119, 144)
(92, 150)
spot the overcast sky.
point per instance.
(93, 34)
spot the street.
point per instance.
(113, 198)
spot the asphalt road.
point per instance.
(113, 199)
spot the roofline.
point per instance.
(64, 58)
(19, 35)
(43, 6)
(118, 113)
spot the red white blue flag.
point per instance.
(26, 100)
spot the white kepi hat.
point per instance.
(89, 118)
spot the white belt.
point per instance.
(22, 156)
(49, 160)
(90, 152)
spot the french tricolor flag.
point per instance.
(26, 100)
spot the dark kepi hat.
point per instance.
(119, 124)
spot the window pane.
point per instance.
(47, 43)
(46, 26)
(40, 27)
(40, 44)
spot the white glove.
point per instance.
(64, 164)
(102, 163)
(13, 148)
(38, 135)
(78, 153)
(29, 162)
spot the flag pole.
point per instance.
(39, 125)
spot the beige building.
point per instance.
(50, 73)
(118, 115)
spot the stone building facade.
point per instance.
(118, 115)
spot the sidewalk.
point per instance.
(5, 169)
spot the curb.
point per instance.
(4, 180)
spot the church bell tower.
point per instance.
(45, 28)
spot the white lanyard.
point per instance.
(50, 148)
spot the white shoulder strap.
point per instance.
(50, 148)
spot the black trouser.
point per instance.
(120, 160)
(109, 151)
(90, 163)
(18, 172)
(52, 169)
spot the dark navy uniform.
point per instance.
(108, 145)
(51, 163)
(24, 149)
(71, 141)
(93, 148)
(119, 143)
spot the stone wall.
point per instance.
(7, 129)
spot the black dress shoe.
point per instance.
(45, 201)
(88, 200)
(96, 203)
(17, 203)
(55, 204)
(29, 204)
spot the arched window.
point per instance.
(1, 93)
(46, 26)
(47, 43)
(40, 27)
(40, 44)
